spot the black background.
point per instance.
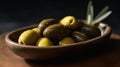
(17, 14)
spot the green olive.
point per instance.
(37, 31)
(70, 22)
(66, 41)
(91, 31)
(28, 37)
(78, 36)
(80, 25)
(56, 31)
(45, 23)
(43, 42)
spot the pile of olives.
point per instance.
(52, 32)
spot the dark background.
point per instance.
(17, 14)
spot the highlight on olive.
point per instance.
(70, 22)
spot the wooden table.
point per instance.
(109, 57)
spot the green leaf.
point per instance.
(88, 19)
(91, 14)
(89, 11)
(105, 15)
(103, 11)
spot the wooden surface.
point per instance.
(109, 56)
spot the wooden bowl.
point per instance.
(53, 52)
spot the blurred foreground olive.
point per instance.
(91, 31)
(56, 32)
(44, 23)
(78, 36)
(70, 22)
(28, 37)
(66, 41)
(43, 42)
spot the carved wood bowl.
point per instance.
(53, 52)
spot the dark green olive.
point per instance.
(66, 41)
(56, 31)
(70, 22)
(91, 30)
(44, 23)
(78, 36)
(80, 25)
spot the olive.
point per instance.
(70, 22)
(56, 31)
(28, 37)
(80, 25)
(36, 30)
(43, 42)
(46, 22)
(91, 30)
(79, 37)
(66, 41)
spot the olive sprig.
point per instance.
(104, 13)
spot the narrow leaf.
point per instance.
(102, 17)
(103, 11)
(88, 19)
(88, 11)
(91, 14)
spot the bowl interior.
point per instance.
(14, 35)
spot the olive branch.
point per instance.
(104, 13)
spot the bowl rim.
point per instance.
(10, 42)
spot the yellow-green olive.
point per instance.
(28, 37)
(36, 30)
(70, 22)
(66, 41)
(43, 42)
